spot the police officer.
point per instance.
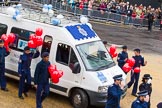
(122, 57)
(24, 70)
(139, 61)
(141, 101)
(41, 79)
(114, 93)
(3, 54)
(146, 85)
(150, 18)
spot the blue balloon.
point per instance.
(56, 22)
(45, 6)
(49, 6)
(17, 12)
(14, 17)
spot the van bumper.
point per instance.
(99, 99)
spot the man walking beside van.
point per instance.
(41, 79)
(24, 71)
(3, 54)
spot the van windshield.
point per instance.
(95, 56)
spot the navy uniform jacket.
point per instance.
(138, 104)
(41, 75)
(139, 61)
(25, 61)
(114, 95)
(145, 86)
(3, 54)
(121, 57)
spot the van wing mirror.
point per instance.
(76, 69)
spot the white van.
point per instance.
(74, 47)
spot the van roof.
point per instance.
(78, 33)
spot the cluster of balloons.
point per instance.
(112, 51)
(54, 73)
(10, 38)
(36, 40)
(48, 9)
(128, 66)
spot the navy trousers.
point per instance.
(41, 93)
(2, 77)
(134, 79)
(25, 82)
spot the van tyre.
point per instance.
(79, 99)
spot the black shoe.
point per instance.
(21, 97)
(134, 95)
(5, 89)
(25, 94)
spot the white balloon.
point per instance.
(60, 16)
(11, 11)
(90, 25)
(50, 13)
(44, 10)
(83, 19)
(19, 17)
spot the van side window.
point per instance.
(3, 29)
(65, 55)
(22, 38)
(47, 42)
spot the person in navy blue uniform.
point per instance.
(3, 54)
(146, 85)
(41, 79)
(159, 105)
(139, 61)
(114, 93)
(122, 57)
(141, 101)
(24, 71)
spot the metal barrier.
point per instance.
(95, 14)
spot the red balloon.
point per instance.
(31, 44)
(4, 38)
(131, 62)
(60, 73)
(7, 47)
(39, 41)
(11, 37)
(126, 68)
(137, 70)
(52, 68)
(39, 32)
(112, 49)
(32, 37)
(55, 80)
(114, 55)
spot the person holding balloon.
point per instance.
(24, 71)
(135, 73)
(41, 79)
(122, 57)
(3, 54)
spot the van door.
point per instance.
(65, 61)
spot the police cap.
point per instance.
(45, 54)
(26, 48)
(124, 47)
(147, 76)
(118, 77)
(137, 50)
(143, 93)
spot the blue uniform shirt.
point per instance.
(3, 54)
(114, 95)
(41, 75)
(139, 61)
(25, 61)
(139, 104)
(121, 57)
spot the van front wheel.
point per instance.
(79, 99)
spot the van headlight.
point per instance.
(102, 89)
